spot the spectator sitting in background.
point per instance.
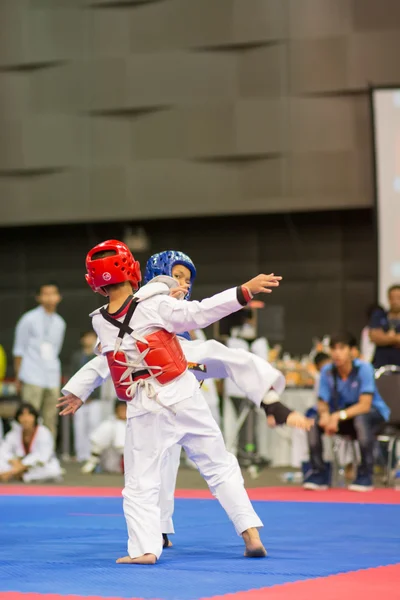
(39, 337)
(320, 360)
(345, 453)
(349, 404)
(27, 452)
(107, 443)
(385, 331)
(89, 417)
(367, 347)
(300, 452)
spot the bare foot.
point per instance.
(254, 547)
(145, 559)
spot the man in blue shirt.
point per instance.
(39, 337)
(349, 404)
(385, 331)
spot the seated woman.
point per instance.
(27, 452)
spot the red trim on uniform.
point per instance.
(28, 449)
(246, 293)
(121, 312)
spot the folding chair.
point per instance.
(388, 385)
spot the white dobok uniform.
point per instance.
(253, 375)
(41, 459)
(161, 416)
(208, 388)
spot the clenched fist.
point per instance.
(299, 421)
(262, 284)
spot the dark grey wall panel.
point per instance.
(36, 32)
(59, 144)
(316, 19)
(369, 15)
(318, 65)
(262, 71)
(372, 58)
(188, 107)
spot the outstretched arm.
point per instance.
(78, 389)
(179, 316)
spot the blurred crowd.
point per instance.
(31, 440)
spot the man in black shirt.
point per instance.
(385, 331)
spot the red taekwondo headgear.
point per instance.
(116, 268)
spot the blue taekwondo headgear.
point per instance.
(163, 263)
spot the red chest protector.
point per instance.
(164, 348)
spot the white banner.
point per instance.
(386, 107)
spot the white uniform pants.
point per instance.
(148, 438)
(169, 472)
(86, 419)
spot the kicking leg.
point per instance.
(205, 446)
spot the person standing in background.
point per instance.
(38, 341)
(367, 347)
(385, 331)
(90, 416)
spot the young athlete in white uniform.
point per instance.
(254, 376)
(27, 451)
(137, 334)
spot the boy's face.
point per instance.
(341, 355)
(182, 275)
(49, 297)
(394, 300)
(26, 420)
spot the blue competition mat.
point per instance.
(69, 546)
